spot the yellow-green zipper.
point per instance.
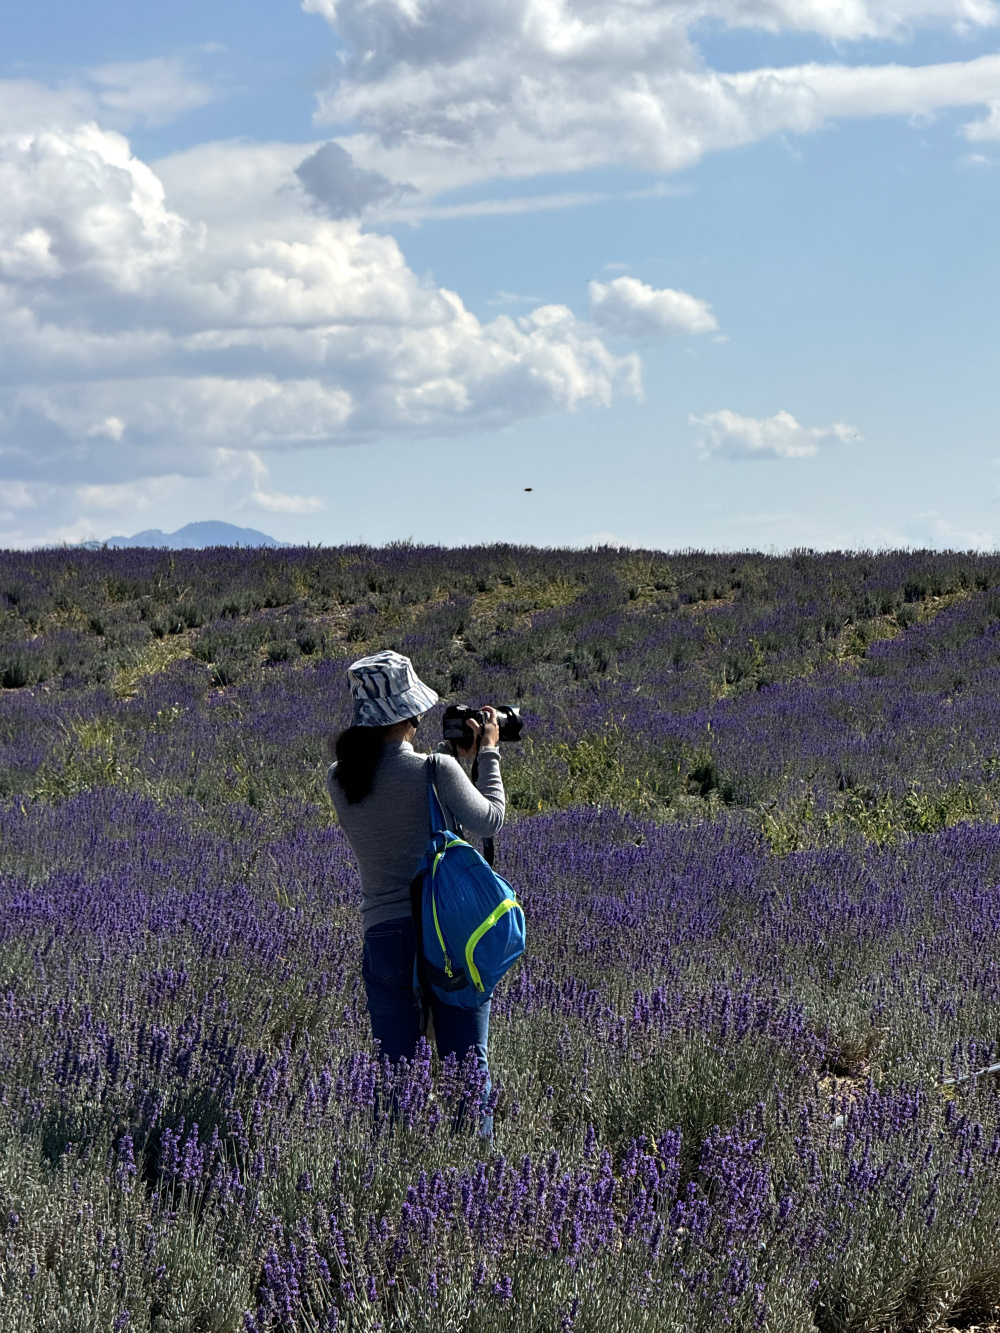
(437, 926)
(500, 910)
(434, 907)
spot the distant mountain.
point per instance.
(196, 536)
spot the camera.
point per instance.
(455, 723)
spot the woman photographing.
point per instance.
(378, 786)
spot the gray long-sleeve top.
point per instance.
(389, 830)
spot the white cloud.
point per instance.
(113, 428)
(725, 434)
(118, 96)
(127, 497)
(512, 298)
(234, 465)
(562, 119)
(446, 31)
(510, 207)
(986, 130)
(50, 513)
(958, 537)
(26, 105)
(274, 502)
(76, 205)
(148, 318)
(16, 495)
(149, 92)
(443, 93)
(631, 309)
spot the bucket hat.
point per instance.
(386, 690)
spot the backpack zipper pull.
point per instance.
(437, 925)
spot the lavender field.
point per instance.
(755, 829)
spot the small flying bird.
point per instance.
(528, 488)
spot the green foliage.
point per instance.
(601, 768)
(546, 629)
(361, 596)
(89, 757)
(882, 818)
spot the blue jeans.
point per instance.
(387, 968)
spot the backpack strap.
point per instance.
(437, 814)
(417, 902)
(438, 821)
(423, 980)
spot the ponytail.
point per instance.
(358, 751)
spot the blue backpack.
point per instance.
(467, 920)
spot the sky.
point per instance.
(722, 274)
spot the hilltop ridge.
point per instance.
(197, 537)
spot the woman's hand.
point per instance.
(491, 732)
(485, 735)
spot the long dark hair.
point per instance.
(358, 750)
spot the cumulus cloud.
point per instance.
(444, 93)
(727, 435)
(446, 31)
(78, 211)
(631, 309)
(141, 330)
(235, 465)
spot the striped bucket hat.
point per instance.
(386, 690)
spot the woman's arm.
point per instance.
(479, 809)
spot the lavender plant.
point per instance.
(756, 840)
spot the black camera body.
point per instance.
(455, 723)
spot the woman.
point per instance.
(379, 789)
